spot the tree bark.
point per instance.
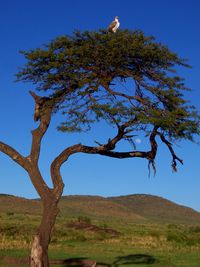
(49, 197)
(39, 249)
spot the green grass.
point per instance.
(144, 245)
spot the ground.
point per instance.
(133, 244)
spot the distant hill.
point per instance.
(156, 208)
(9, 203)
(137, 208)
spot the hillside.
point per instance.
(95, 206)
(136, 208)
(158, 209)
(13, 204)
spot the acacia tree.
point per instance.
(80, 76)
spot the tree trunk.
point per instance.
(39, 249)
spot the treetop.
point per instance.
(123, 78)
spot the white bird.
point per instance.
(114, 25)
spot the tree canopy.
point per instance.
(125, 78)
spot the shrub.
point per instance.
(177, 237)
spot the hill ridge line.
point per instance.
(133, 207)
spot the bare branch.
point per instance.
(101, 150)
(15, 155)
(30, 163)
(38, 133)
(55, 169)
(42, 112)
(151, 164)
(174, 156)
(152, 153)
(104, 150)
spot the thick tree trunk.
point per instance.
(39, 250)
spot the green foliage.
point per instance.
(184, 236)
(177, 237)
(119, 78)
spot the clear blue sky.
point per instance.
(29, 24)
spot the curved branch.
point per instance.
(104, 150)
(55, 169)
(101, 150)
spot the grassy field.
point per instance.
(138, 244)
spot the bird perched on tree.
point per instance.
(114, 25)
